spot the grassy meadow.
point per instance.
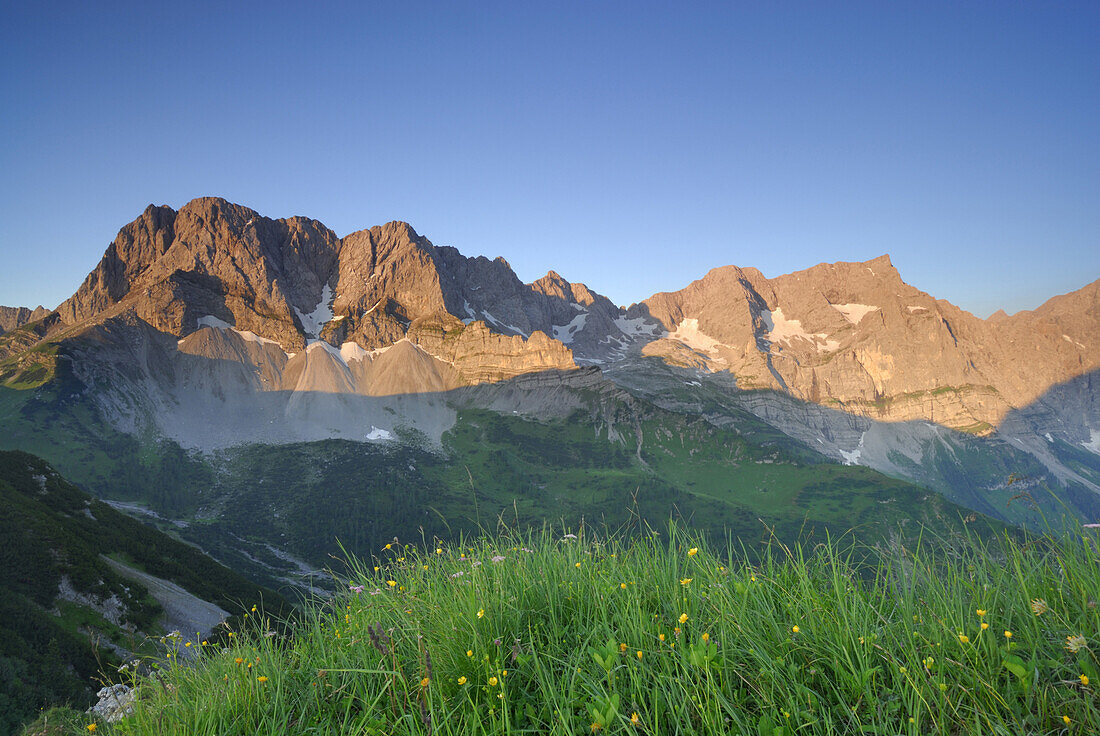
(552, 633)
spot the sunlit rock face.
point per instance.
(285, 332)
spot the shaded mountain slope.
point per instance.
(70, 602)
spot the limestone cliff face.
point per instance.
(849, 336)
(293, 282)
(854, 336)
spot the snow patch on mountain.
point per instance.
(315, 321)
(566, 333)
(637, 327)
(502, 325)
(377, 433)
(689, 334)
(781, 329)
(852, 458)
(854, 312)
(1093, 445)
(350, 351)
(212, 321)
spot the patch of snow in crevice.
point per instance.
(854, 312)
(321, 315)
(376, 433)
(353, 351)
(688, 333)
(500, 324)
(781, 329)
(578, 307)
(1071, 341)
(852, 458)
(637, 327)
(369, 310)
(917, 309)
(566, 333)
(1049, 438)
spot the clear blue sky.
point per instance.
(631, 146)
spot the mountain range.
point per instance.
(211, 334)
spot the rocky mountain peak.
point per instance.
(12, 317)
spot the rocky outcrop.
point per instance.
(848, 336)
(293, 282)
(854, 336)
(12, 317)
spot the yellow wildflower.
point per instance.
(481, 613)
(577, 565)
(661, 637)
(1008, 634)
(706, 637)
(1084, 683)
(91, 727)
(262, 678)
(622, 586)
(984, 626)
(424, 682)
(389, 546)
(1076, 643)
(622, 646)
(683, 618)
(685, 581)
(964, 638)
(391, 583)
(469, 652)
(238, 660)
(795, 629)
(493, 681)
(693, 551)
(1067, 720)
(980, 612)
(462, 680)
(1084, 679)
(635, 720)
(439, 550)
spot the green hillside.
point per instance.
(67, 613)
